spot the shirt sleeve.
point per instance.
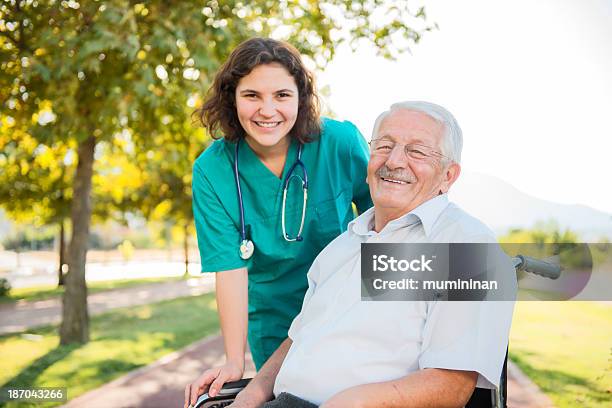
(360, 155)
(467, 336)
(218, 236)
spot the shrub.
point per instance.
(5, 287)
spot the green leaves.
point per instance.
(94, 63)
(112, 73)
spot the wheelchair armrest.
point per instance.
(226, 395)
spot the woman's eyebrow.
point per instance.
(245, 91)
(248, 91)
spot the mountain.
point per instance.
(502, 206)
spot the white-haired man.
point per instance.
(343, 352)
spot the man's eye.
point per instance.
(384, 147)
(417, 153)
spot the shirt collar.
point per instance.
(430, 210)
(363, 224)
(427, 213)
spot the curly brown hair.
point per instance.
(218, 112)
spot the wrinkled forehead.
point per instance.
(409, 126)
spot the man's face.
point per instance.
(399, 183)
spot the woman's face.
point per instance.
(267, 105)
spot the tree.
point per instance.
(121, 67)
(166, 195)
(35, 181)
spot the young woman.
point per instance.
(268, 195)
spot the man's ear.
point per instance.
(451, 174)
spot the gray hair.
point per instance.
(452, 141)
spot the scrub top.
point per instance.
(336, 164)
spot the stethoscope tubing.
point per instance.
(290, 175)
(240, 201)
(300, 163)
(246, 245)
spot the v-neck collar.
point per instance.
(254, 164)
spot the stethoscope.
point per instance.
(246, 245)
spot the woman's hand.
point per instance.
(212, 380)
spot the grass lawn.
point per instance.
(566, 349)
(50, 291)
(121, 341)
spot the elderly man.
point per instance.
(344, 352)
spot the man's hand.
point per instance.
(247, 399)
(260, 389)
(212, 380)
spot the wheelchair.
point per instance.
(481, 397)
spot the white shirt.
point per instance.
(340, 342)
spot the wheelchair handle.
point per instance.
(236, 384)
(226, 395)
(537, 267)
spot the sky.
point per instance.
(530, 82)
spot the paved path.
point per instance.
(22, 315)
(161, 384)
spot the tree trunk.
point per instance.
(62, 255)
(186, 248)
(75, 318)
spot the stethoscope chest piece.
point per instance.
(246, 249)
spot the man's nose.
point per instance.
(268, 108)
(397, 157)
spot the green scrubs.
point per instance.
(336, 164)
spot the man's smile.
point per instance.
(395, 181)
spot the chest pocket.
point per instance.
(331, 215)
(273, 255)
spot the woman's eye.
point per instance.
(283, 95)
